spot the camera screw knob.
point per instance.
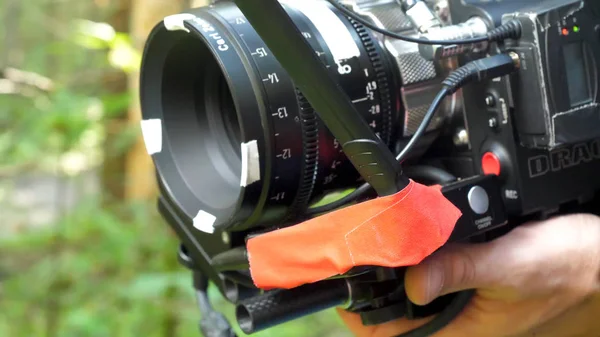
(490, 101)
(461, 137)
(225, 238)
(493, 122)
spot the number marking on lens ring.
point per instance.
(272, 77)
(330, 26)
(375, 109)
(261, 52)
(278, 196)
(343, 69)
(281, 113)
(287, 154)
(329, 179)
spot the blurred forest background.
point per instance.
(82, 249)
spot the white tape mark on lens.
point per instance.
(250, 163)
(332, 29)
(205, 222)
(175, 22)
(152, 133)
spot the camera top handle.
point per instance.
(369, 155)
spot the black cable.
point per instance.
(231, 260)
(478, 70)
(460, 301)
(239, 278)
(429, 173)
(360, 191)
(437, 101)
(511, 29)
(212, 323)
(351, 197)
(203, 302)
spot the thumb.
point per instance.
(454, 268)
(520, 262)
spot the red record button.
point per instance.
(490, 164)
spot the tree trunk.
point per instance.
(11, 16)
(115, 82)
(140, 174)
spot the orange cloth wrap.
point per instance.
(394, 231)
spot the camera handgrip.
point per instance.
(480, 200)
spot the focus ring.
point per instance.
(382, 80)
(310, 147)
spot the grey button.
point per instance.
(478, 200)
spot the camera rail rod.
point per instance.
(369, 155)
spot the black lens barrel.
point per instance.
(207, 70)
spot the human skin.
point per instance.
(542, 279)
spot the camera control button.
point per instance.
(490, 164)
(479, 200)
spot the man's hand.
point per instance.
(542, 279)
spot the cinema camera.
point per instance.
(262, 114)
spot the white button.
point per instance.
(478, 200)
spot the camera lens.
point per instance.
(241, 146)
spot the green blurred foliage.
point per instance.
(98, 270)
(80, 58)
(110, 272)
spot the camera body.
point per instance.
(536, 129)
(239, 150)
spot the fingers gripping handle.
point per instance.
(480, 202)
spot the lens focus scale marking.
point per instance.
(385, 109)
(329, 153)
(283, 112)
(215, 32)
(358, 77)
